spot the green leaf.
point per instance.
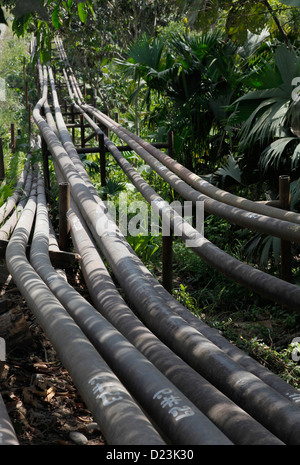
(231, 169)
(82, 13)
(19, 25)
(55, 19)
(252, 43)
(24, 7)
(45, 56)
(89, 4)
(272, 154)
(286, 61)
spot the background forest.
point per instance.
(224, 76)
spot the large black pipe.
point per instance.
(200, 184)
(234, 352)
(175, 415)
(110, 404)
(268, 286)
(254, 221)
(233, 421)
(197, 350)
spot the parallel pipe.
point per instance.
(233, 421)
(260, 217)
(175, 329)
(184, 423)
(207, 188)
(8, 226)
(264, 284)
(235, 353)
(194, 180)
(12, 200)
(254, 221)
(111, 405)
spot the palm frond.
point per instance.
(261, 249)
(252, 43)
(295, 193)
(272, 154)
(147, 52)
(230, 168)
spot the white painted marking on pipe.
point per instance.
(107, 391)
(177, 409)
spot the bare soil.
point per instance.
(43, 404)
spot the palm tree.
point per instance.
(272, 111)
(194, 74)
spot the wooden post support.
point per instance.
(24, 68)
(59, 90)
(66, 111)
(285, 246)
(13, 139)
(64, 205)
(82, 130)
(171, 144)
(29, 120)
(105, 129)
(45, 154)
(2, 169)
(26, 94)
(102, 152)
(167, 261)
(25, 82)
(73, 122)
(167, 239)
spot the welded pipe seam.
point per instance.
(183, 333)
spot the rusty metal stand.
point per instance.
(64, 205)
(2, 168)
(285, 246)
